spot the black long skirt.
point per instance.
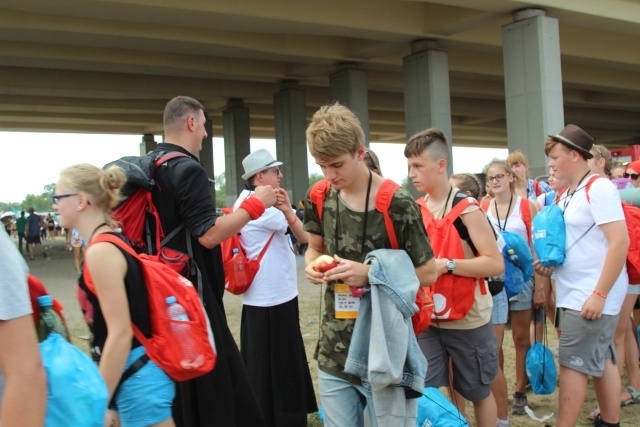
(273, 352)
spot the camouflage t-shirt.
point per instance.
(335, 336)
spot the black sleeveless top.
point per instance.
(138, 305)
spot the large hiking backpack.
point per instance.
(632, 217)
(138, 217)
(230, 261)
(165, 346)
(453, 295)
(318, 194)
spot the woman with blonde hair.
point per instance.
(83, 197)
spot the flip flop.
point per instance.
(635, 397)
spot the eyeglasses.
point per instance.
(633, 176)
(276, 171)
(496, 178)
(56, 199)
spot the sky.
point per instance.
(33, 160)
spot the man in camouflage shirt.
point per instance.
(351, 227)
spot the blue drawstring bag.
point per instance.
(518, 262)
(435, 410)
(77, 394)
(540, 365)
(549, 235)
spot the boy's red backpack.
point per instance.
(454, 295)
(632, 217)
(422, 319)
(37, 289)
(164, 346)
(251, 267)
(137, 215)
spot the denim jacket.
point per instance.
(384, 350)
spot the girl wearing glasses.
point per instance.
(83, 198)
(504, 213)
(633, 173)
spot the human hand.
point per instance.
(592, 307)
(267, 195)
(313, 276)
(543, 271)
(350, 273)
(283, 203)
(538, 297)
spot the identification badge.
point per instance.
(347, 306)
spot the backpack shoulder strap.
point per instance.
(587, 186)
(485, 205)
(164, 157)
(536, 187)
(110, 238)
(383, 201)
(264, 250)
(525, 212)
(318, 193)
(459, 207)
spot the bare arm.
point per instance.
(489, 261)
(24, 400)
(618, 238)
(108, 268)
(228, 225)
(292, 219)
(313, 251)
(427, 273)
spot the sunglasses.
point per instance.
(56, 199)
(496, 178)
(633, 176)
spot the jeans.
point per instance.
(344, 403)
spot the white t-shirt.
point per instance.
(513, 223)
(276, 281)
(576, 279)
(14, 293)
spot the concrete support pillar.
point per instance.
(348, 86)
(206, 156)
(427, 99)
(235, 126)
(148, 143)
(533, 84)
(291, 147)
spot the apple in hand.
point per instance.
(324, 263)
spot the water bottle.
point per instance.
(239, 273)
(183, 332)
(49, 320)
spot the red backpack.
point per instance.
(230, 259)
(454, 294)
(422, 319)
(137, 215)
(164, 346)
(632, 217)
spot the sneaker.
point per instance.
(519, 402)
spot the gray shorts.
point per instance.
(586, 344)
(524, 300)
(474, 354)
(633, 289)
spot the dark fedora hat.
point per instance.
(575, 138)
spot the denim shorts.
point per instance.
(146, 397)
(500, 311)
(524, 300)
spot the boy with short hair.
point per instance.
(350, 228)
(427, 154)
(591, 283)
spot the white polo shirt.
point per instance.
(577, 278)
(276, 281)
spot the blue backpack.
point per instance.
(549, 234)
(435, 410)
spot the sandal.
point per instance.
(635, 397)
(594, 415)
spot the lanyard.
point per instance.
(569, 197)
(364, 222)
(495, 205)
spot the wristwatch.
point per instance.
(451, 265)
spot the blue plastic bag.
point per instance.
(541, 369)
(549, 236)
(77, 394)
(435, 410)
(518, 262)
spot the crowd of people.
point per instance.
(369, 358)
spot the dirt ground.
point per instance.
(59, 276)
